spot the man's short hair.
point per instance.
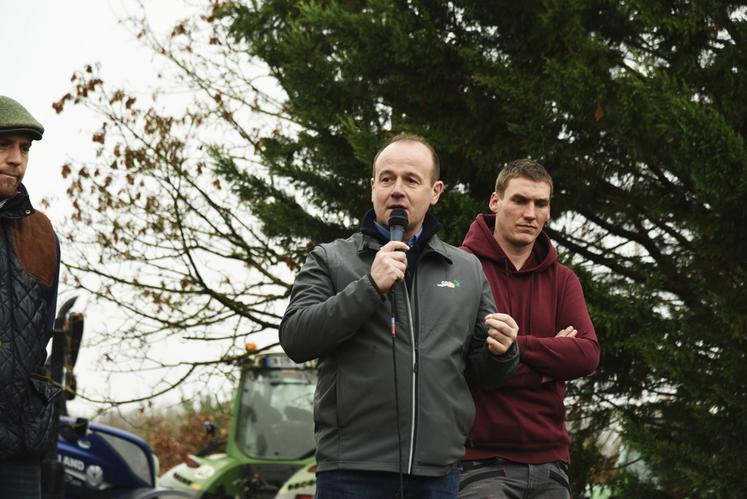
(410, 137)
(522, 168)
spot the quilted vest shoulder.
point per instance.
(35, 246)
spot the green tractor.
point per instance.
(271, 436)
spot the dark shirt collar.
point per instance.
(384, 231)
(428, 229)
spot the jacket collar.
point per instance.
(17, 207)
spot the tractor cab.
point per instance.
(275, 410)
(271, 435)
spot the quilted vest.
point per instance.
(28, 269)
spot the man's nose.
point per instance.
(15, 155)
(398, 188)
(530, 211)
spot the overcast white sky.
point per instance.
(43, 42)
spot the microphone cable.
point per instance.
(398, 222)
(393, 308)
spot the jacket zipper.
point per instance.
(411, 456)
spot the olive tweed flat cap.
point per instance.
(15, 118)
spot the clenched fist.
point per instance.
(502, 331)
(389, 265)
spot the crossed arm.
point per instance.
(573, 352)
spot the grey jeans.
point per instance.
(500, 479)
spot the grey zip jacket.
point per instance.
(337, 314)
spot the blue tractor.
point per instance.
(93, 461)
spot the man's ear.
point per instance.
(494, 202)
(436, 191)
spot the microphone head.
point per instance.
(398, 222)
(398, 217)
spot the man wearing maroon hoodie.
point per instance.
(518, 445)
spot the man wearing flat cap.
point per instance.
(29, 271)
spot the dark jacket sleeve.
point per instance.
(524, 376)
(565, 359)
(485, 369)
(319, 317)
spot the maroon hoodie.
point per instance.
(524, 420)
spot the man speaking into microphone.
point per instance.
(401, 322)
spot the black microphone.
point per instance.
(398, 224)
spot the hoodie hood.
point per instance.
(480, 241)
